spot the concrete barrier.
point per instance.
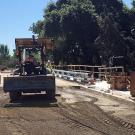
(80, 77)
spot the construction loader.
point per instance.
(31, 77)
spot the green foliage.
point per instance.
(52, 25)
(72, 22)
(133, 3)
(4, 55)
(111, 6)
(37, 28)
(7, 60)
(110, 40)
(4, 51)
(85, 30)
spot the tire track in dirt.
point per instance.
(105, 126)
(109, 119)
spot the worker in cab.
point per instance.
(30, 65)
(31, 59)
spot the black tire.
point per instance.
(14, 96)
(51, 94)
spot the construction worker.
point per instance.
(30, 65)
(31, 59)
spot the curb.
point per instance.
(92, 90)
(119, 99)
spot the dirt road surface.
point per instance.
(74, 112)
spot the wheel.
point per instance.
(14, 96)
(51, 94)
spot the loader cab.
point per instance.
(31, 54)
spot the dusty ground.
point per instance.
(74, 112)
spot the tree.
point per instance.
(75, 23)
(37, 28)
(133, 4)
(85, 30)
(4, 55)
(112, 7)
(110, 42)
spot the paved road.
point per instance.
(74, 112)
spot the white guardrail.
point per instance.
(80, 77)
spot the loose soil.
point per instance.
(75, 111)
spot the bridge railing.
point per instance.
(85, 73)
(80, 68)
(73, 76)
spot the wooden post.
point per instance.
(42, 56)
(20, 61)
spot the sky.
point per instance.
(16, 16)
(128, 2)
